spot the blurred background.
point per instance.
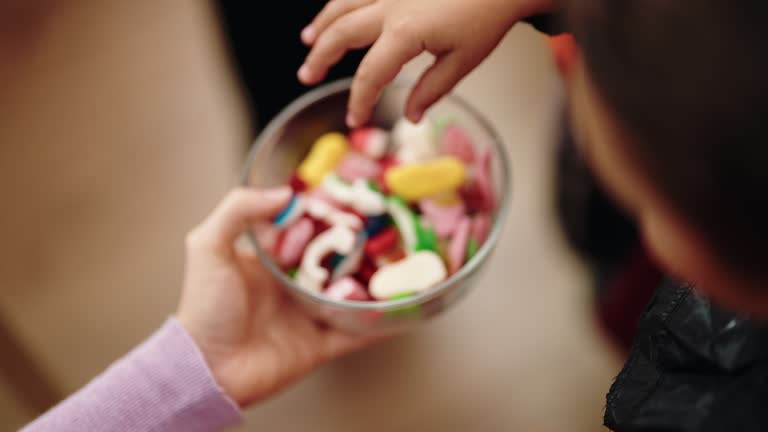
(123, 123)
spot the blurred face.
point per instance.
(675, 244)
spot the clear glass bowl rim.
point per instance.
(467, 270)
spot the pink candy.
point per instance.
(295, 240)
(484, 180)
(443, 219)
(347, 288)
(355, 166)
(372, 142)
(481, 227)
(457, 250)
(478, 192)
(321, 195)
(456, 142)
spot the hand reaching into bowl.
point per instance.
(459, 33)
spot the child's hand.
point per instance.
(255, 339)
(460, 33)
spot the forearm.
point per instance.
(163, 384)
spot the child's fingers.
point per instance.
(330, 13)
(379, 67)
(354, 30)
(232, 216)
(437, 81)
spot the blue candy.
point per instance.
(336, 260)
(346, 265)
(290, 213)
(376, 224)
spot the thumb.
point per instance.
(236, 212)
(436, 82)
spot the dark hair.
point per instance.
(688, 80)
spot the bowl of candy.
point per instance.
(389, 225)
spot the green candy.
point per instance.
(442, 123)
(404, 312)
(426, 239)
(372, 185)
(336, 259)
(471, 249)
(292, 273)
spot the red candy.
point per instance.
(386, 163)
(478, 192)
(484, 181)
(382, 243)
(367, 270)
(372, 142)
(390, 257)
(297, 184)
(472, 197)
(320, 226)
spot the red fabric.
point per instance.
(564, 50)
(625, 296)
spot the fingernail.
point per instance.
(308, 35)
(304, 73)
(278, 194)
(416, 117)
(351, 120)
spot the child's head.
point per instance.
(670, 104)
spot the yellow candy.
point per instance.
(416, 181)
(447, 199)
(326, 153)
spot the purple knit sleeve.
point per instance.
(164, 384)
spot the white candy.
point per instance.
(358, 195)
(308, 283)
(405, 221)
(337, 189)
(414, 274)
(414, 142)
(351, 263)
(378, 142)
(291, 213)
(332, 216)
(311, 274)
(371, 141)
(366, 200)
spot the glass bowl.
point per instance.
(285, 141)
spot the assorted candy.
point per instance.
(381, 216)
(325, 155)
(416, 181)
(413, 274)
